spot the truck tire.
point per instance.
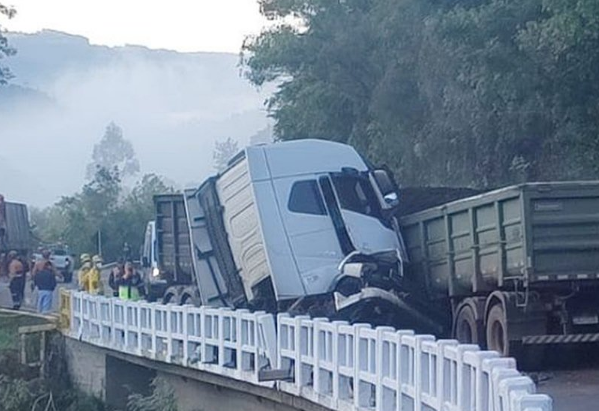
(467, 329)
(172, 295)
(190, 296)
(497, 331)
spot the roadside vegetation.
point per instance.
(23, 389)
(470, 93)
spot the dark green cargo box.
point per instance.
(534, 234)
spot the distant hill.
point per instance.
(172, 106)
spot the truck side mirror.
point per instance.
(387, 187)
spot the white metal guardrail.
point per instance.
(337, 365)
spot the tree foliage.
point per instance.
(105, 209)
(5, 49)
(223, 152)
(474, 93)
(102, 206)
(162, 398)
(113, 152)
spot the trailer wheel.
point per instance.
(497, 331)
(170, 297)
(190, 296)
(466, 328)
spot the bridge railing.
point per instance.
(334, 364)
(232, 343)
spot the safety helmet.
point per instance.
(85, 258)
(97, 259)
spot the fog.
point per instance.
(171, 106)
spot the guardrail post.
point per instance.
(320, 348)
(534, 402)
(500, 374)
(444, 372)
(382, 359)
(365, 361)
(336, 360)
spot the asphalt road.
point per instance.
(570, 375)
(30, 297)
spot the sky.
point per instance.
(195, 99)
(181, 25)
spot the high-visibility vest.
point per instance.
(94, 281)
(127, 292)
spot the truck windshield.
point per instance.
(356, 194)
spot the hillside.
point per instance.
(172, 106)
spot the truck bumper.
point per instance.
(560, 339)
(374, 302)
(342, 302)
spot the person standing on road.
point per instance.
(115, 278)
(86, 265)
(130, 284)
(16, 274)
(95, 276)
(43, 264)
(126, 252)
(45, 281)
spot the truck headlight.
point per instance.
(155, 272)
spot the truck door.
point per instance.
(362, 214)
(310, 231)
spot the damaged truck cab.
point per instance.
(303, 226)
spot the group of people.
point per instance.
(124, 280)
(43, 276)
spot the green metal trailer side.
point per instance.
(533, 249)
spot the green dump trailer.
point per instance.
(512, 267)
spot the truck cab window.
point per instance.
(305, 198)
(356, 194)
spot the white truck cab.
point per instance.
(300, 219)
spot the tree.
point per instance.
(101, 207)
(113, 152)
(461, 92)
(223, 152)
(5, 49)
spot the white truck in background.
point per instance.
(303, 226)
